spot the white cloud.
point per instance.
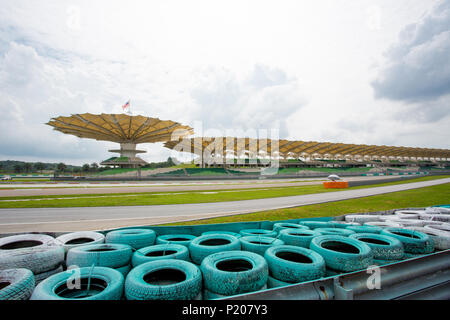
(301, 67)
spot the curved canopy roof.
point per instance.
(287, 148)
(121, 128)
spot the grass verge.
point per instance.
(421, 197)
(163, 198)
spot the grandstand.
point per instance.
(233, 152)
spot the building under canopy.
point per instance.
(221, 147)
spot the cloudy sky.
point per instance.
(356, 71)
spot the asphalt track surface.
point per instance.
(89, 188)
(101, 218)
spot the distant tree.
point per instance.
(170, 162)
(18, 168)
(27, 167)
(61, 167)
(39, 166)
(1, 166)
(76, 170)
(85, 167)
(94, 167)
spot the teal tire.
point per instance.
(275, 283)
(235, 234)
(111, 255)
(209, 295)
(383, 247)
(258, 232)
(135, 238)
(342, 253)
(335, 231)
(203, 246)
(160, 252)
(294, 264)
(167, 279)
(182, 239)
(125, 270)
(414, 242)
(277, 227)
(234, 272)
(258, 244)
(17, 284)
(300, 238)
(365, 229)
(97, 283)
(316, 224)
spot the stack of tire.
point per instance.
(39, 253)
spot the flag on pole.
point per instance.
(126, 105)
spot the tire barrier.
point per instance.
(111, 255)
(342, 253)
(411, 222)
(237, 235)
(234, 272)
(17, 284)
(441, 239)
(383, 247)
(76, 239)
(435, 217)
(277, 227)
(258, 232)
(407, 214)
(203, 246)
(44, 275)
(362, 218)
(294, 264)
(300, 238)
(167, 279)
(443, 226)
(383, 224)
(274, 283)
(335, 231)
(208, 295)
(258, 244)
(437, 210)
(37, 252)
(316, 224)
(124, 270)
(135, 238)
(160, 252)
(94, 283)
(414, 242)
(365, 229)
(182, 239)
(342, 224)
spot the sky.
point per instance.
(355, 71)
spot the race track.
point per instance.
(100, 218)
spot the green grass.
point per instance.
(421, 197)
(162, 198)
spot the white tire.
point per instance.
(443, 226)
(435, 217)
(437, 210)
(36, 252)
(407, 214)
(441, 239)
(383, 224)
(361, 218)
(410, 222)
(76, 239)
